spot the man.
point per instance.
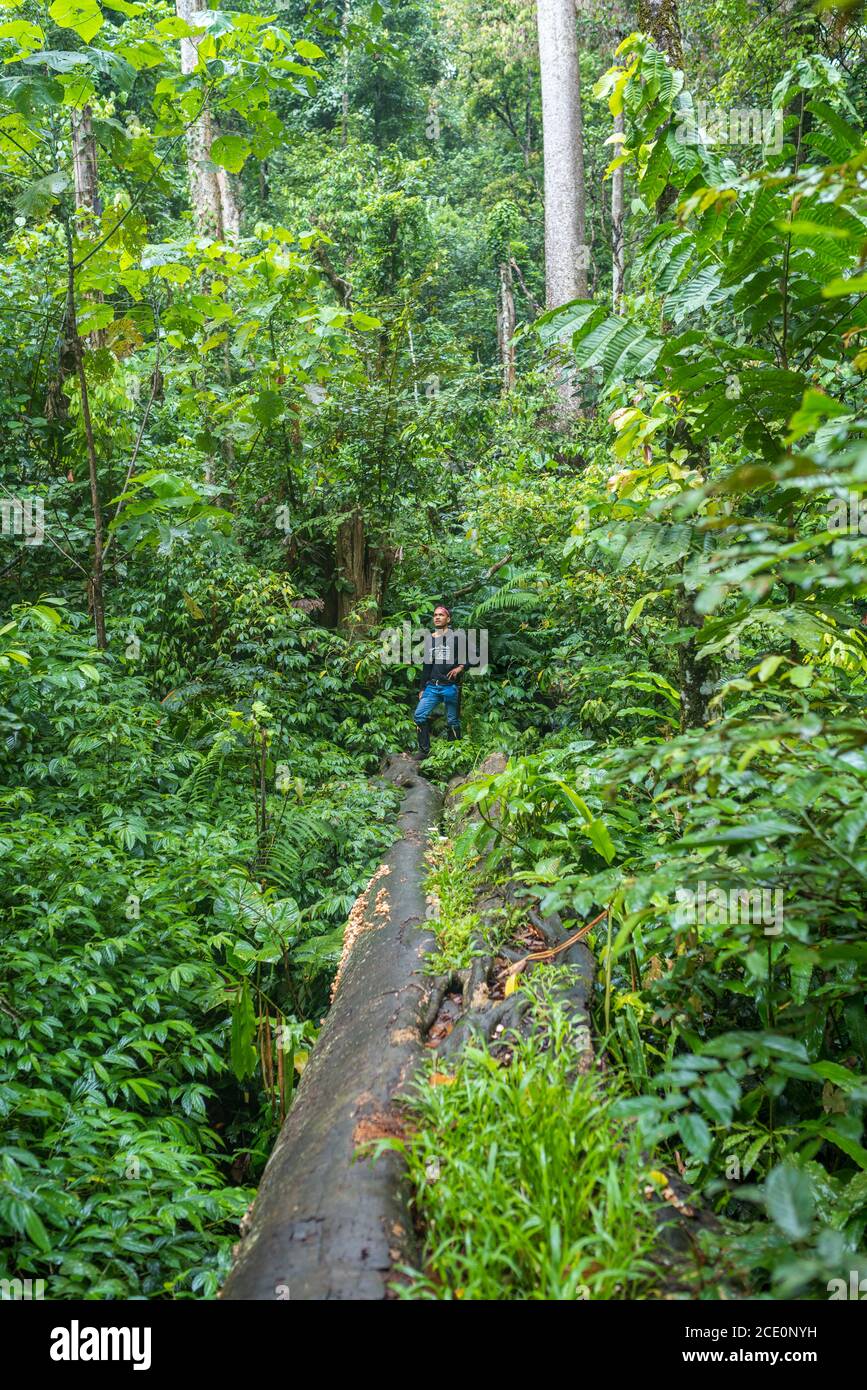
(440, 678)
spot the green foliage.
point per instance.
(527, 1185)
(139, 955)
(260, 446)
(450, 898)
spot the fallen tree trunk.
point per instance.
(323, 1225)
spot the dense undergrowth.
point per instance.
(672, 585)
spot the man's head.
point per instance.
(441, 616)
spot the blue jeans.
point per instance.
(428, 701)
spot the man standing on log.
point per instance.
(440, 680)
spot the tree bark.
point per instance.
(324, 1225)
(659, 19)
(618, 227)
(364, 567)
(212, 193)
(695, 673)
(565, 253)
(85, 173)
(506, 326)
(84, 164)
(96, 569)
(565, 247)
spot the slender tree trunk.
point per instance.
(212, 193)
(85, 173)
(695, 673)
(565, 248)
(659, 19)
(618, 227)
(84, 165)
(344, 95)
(506, 326)
(96, 568)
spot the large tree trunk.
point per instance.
(565, 247)
(325, 1226)
(365, 570)
(212, 193)
(565, 253)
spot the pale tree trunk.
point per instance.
(506, 326)
(95, 578)
(565, 248)
(565, 253)
(618, 226)
(84, 165)
(215, 206)
(85, 174)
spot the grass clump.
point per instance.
(526, 1185)
(450, 894)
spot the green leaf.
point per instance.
(39, 197)
(242, 1048)
(230, 152)
(267, 407)
(83, 16)
(58, 59)
(23, 32)
(850, 1147)
(310, 51)
(789, 1200)
(696, 1135)
(92, 317)
(638, 607)
(36, 1231)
